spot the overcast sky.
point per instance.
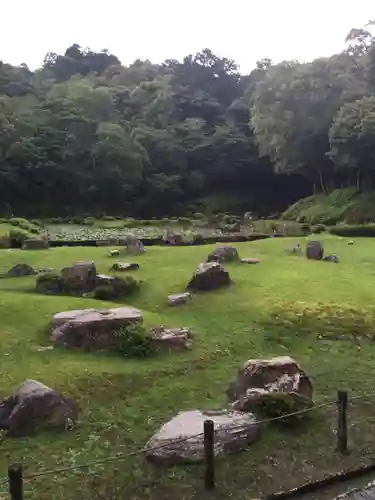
(243, 30)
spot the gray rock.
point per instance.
(113, 253)
(209, 276)
(34, 406)
(177, 299)
(223, 254)
(92, 329)
(315, 250)
(188, 426)
(367, 493)
(172, 339)
(263, 383)
(331, 258)
(79, 277)
(124, 266)
(21, 270)
(250, 261)
(134, 245)
(35, 244)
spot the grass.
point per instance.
(277, 307)
(341, 205)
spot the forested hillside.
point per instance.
(86, 134)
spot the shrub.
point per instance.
(25, 225)
(318, 228)
(125, 286)
(184, 221)
(77, 220)
(49, 283)
(17, 236)
(105, 292)
(305, 228)
(108, 217)
(4, 241)
(133, 341)
(366, 230)
(89, 221)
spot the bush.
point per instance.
(49, 283)
(105, 292)
(17, 236)
(318, 228)
(108, 217)
(125, 286)
(25, 225)
(4, 241)
(366, 230)
(305, 228)
(133, 341)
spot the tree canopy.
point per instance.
(86, 133)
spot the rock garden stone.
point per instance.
(223, 254)
(79, 277)
(35, 406)
(21, 270)
(209, 276)
(124, 266)
(250, 261)
(186, 425)
(92, 329)
(134, 245)
(351, 242)
(272, 386)
(113, 253)
(35, 244)
(172, 238)
(172, 339)
(331, 258)
(315, 250)
(177, 299)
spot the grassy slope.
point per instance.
(123, 402)
(341, 205)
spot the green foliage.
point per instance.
(18, 235)
(366, 230)
(318, 228)
(134, 342)
(49, 283)
(105, 292)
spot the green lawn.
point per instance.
(277, 307)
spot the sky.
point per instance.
(243, 30)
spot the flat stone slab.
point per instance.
(125, 266)
(250, 261)
(172, 339)
(177, 299)
(182, 437)
(92, 328)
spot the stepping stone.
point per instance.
(124, 266)
(181, 439)
(250, 261)
(179, 298)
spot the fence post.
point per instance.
(15, 476)
(342, 421)
(209, 457)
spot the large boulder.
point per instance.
(223, 254)
(209, 276)
(35, 406)
(172, 339)
(272, 387)
(315, 250)
(134, 245)
(35, 244)
(79, 277)
(21, 270)
(181, 439)
(92, 329)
